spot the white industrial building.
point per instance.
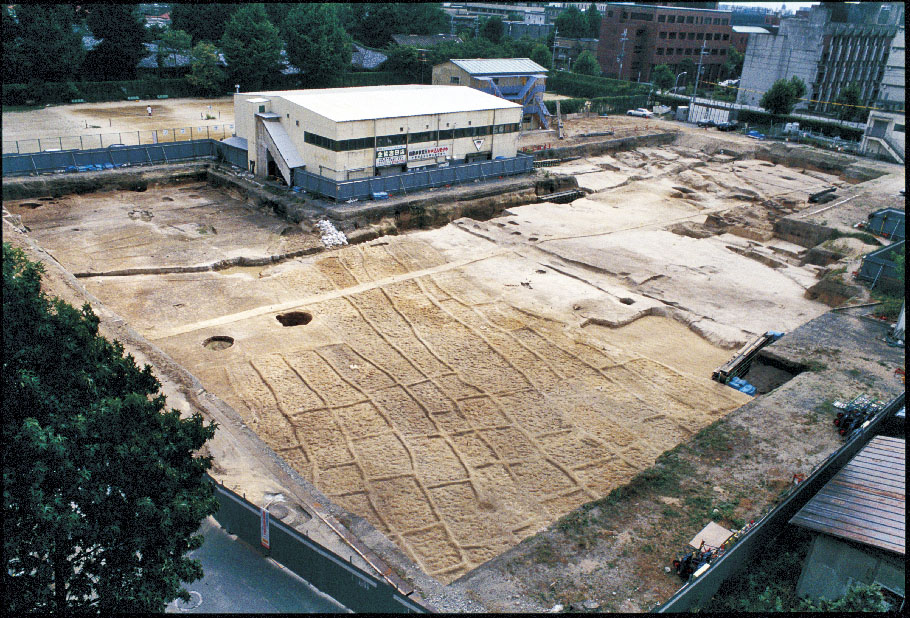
(352, 133)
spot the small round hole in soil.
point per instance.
(627, 301)
(218, 342)
(30, 205)
(294, 318)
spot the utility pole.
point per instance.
(553, 57)
(697, 75)
(622, 51)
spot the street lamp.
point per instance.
(676, 80)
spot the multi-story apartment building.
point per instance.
(657, 35)
(829, 47)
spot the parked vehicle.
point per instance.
(755, 134)
(730, 125)
(641, 112)
(705, 123)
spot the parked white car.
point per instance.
(641, 112)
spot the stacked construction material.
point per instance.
(330, 236)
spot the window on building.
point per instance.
(699, 36)
(726, 37)
(899, 128)
(713, 52)
(625, 15)
(689, 52)
(723, 52)
(717, 21)
(446, 134)
(723, 22)
(691, 36)
(672, 35)
(679, 51)
(298, 122)
(690, 19)
(671, 19)
(661, 19)
(609, 13)
(640, 32)
(391, 140)
(662, 35)
(660, 51)
(454, 79)
(423, 136)
(643, 16)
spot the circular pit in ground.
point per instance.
(218, 342)
(294, 318)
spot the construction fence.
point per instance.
(91, 141)
(121, 156)
(331, 574)
(343, 191)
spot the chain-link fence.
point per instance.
(90, 141)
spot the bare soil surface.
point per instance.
(466, 389)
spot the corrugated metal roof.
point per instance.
(498, 66)
(369, 102)
(864, 502)
(286, 147)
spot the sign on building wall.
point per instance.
(430, 152)
(390, 155)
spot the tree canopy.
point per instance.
(492, 29)
(593, 18)
(205, 73)
(662, 77)
(316, 43)
(252, 48)
(102, 493)
(542, 56)
(41, 43)
(850, 99)
(572, 23)
(122, 34)
(586, 64)
(733, 67)
(781, 98)
(374, 23)
(204, 21)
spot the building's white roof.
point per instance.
(369, 102)
(498, 66)
(750, 30)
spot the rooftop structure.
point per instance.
(351, 133)
(520, 80)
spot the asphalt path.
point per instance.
(240, 579)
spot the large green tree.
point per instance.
(374, 23)
(204, 21)
(781, 98)
(662, 77)
(492, 29)
(102, 493)
(122, 32)
(205, 73)
(40, 43)
(733, 67)
(316, 43)
(850, 102)
(252, 48)
(571, 23)
(172, 43)
(586, 64)
(542, 56)
(593, 18)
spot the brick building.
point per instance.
(662, 35)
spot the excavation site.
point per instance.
(454, 388)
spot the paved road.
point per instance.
(238, 579)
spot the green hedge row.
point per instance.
(95, 92)
(599, 105)
(576, 85)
